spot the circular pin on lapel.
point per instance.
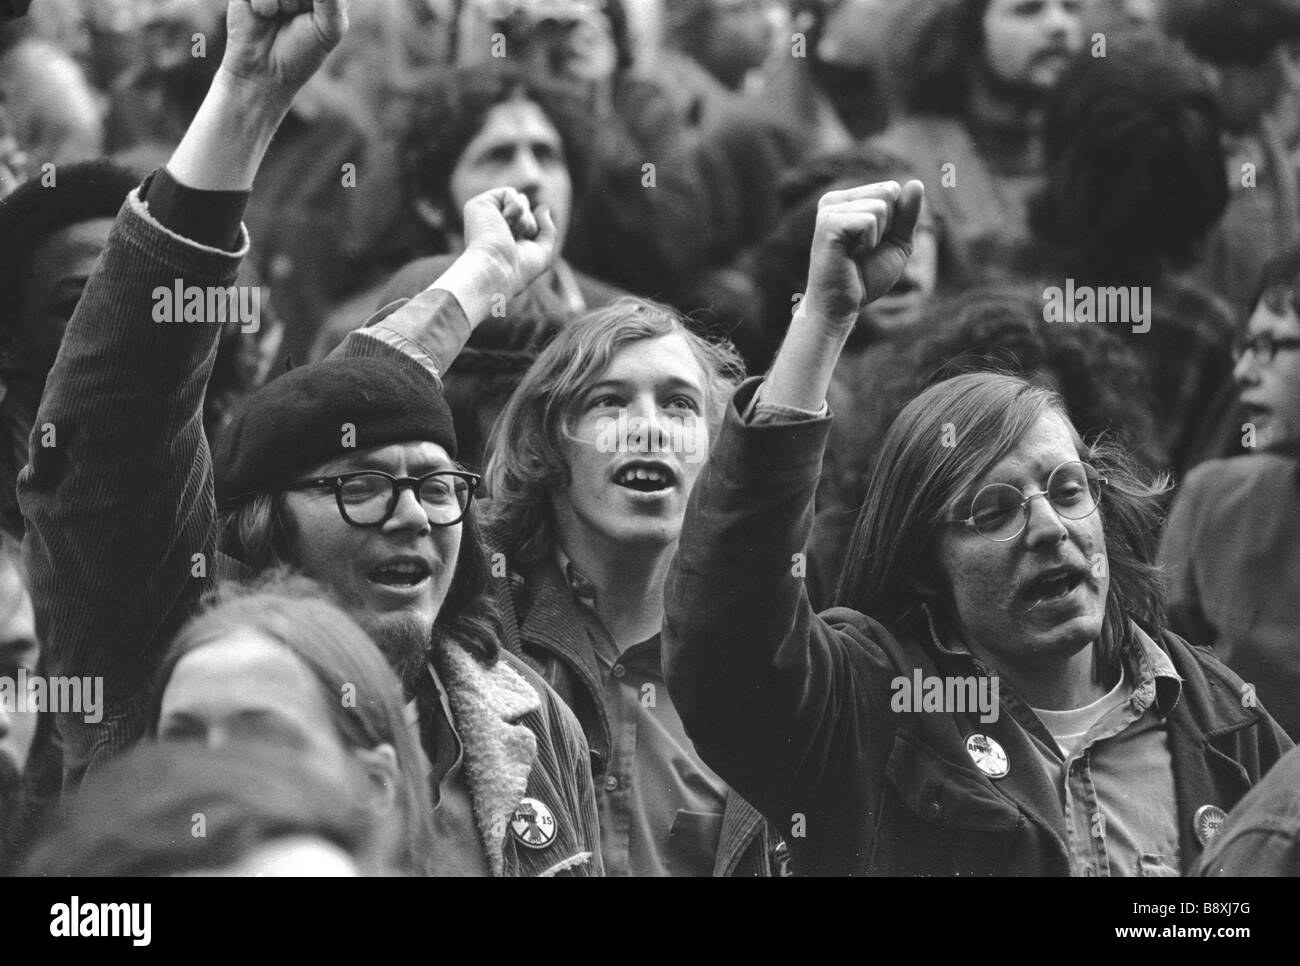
(987, 755)
(1207, 821)
(532, 824)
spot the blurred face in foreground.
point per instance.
(246, 687)
(243, 692)
(291, 856)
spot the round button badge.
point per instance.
(987, 755)
(533, 824)
(1207, 821)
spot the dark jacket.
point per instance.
(793, 709)
(1262, 835)
(1231, 555)
(121, 540)
(542, 626)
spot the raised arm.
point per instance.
(860, 247)
(772, 695)
(507, 246)
(118, 492)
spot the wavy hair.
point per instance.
(296, 613)
(525, 455)
(892, 568)
(998, 328)
(454, 108)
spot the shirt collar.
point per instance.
(956, 649)
(1152, 668)
(582, 588)
(439, 737)
(1149, 666)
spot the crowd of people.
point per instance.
(605, 437)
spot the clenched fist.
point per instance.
(278, 44)
(519, 241)
(860, 246)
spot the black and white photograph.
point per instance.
(651, 438)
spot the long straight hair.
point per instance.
(945, 439)
(296, 613)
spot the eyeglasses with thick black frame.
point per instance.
(1000, 512)
(367, 498)
(1265, 345)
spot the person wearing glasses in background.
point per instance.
(1232, 547)
(997, 693)
(344, 470)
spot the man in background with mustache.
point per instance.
(976, 77)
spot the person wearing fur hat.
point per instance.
(345, 470)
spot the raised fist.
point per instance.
(502, 225)
(278, 44)
(860, 247)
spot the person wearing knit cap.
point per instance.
(344, 470)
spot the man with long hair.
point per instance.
(590, 467)
(977, 75)
(998, 693)
(345, 470)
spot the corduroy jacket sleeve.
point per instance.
(428, 330)
(118, 492)
(790, 709)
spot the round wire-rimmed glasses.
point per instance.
(1000, 512)
(367, 498)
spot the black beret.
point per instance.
(320, 412)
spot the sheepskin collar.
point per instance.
(499, 752)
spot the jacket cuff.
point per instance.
(760, 411)
(211, 218)
(186, 256)
(773, 443)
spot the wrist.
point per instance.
(225, 143)
(478, 279)
(801, 373)
(256, 106)
(813, 323)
